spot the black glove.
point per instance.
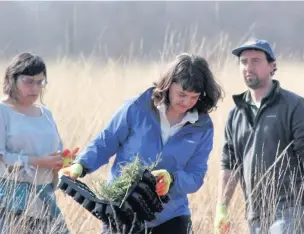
(140, 204)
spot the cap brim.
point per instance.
(238, 51)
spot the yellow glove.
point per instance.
(73, 171)
(221, 222)
(164, 180)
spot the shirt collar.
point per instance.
(191, 117)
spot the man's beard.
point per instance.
(253, 82)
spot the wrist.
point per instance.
(84, 170)
(80, 169)
(172, 179)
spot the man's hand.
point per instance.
(164, 181)
(73, 171)
(221, 222)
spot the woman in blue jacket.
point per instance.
(169, 119)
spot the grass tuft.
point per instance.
(130, 174)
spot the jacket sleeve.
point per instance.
(191, 178)
(107, 142)
(228, 158)
(297, 128)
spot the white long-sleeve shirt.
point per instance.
(166, 129)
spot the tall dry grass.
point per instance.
(84, 93)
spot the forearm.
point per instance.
(14, 159)
(37, 162)
(30, 160)
(186, 183)
(34, 161)
(228, 183)
(24, 162)
(97, 153)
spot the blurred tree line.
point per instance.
(145, 29)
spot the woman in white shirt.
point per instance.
(30, 151)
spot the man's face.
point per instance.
(255, 68)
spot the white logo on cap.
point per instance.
(250, 43)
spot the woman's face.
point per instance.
(30, 87)
(181, 100)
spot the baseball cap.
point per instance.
(257, 44)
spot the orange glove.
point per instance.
(164, 181)
(68, 157)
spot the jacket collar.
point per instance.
(240, 99)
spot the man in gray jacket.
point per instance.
(264, 148)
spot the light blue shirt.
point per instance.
(22, 137)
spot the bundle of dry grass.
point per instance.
(131, 174)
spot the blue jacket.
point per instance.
(135, 130)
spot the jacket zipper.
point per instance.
(258, 115)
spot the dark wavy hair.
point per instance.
(192, 72)
(22, 64)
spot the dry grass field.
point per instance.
(83, 94)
